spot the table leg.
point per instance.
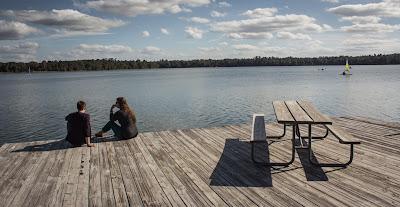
(277, 163)
(314, 137)
(327, 164)
(280, 136)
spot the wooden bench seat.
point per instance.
(343, 136)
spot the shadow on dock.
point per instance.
(235, 168)
(48, 146)
(312, 172)
(61, 144)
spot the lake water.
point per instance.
(33, 107)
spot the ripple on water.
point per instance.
(34, 107)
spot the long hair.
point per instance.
(124, 107)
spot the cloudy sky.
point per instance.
(186, 29)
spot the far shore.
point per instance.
(114, 64)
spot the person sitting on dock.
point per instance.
(79, 131)
(126, 118)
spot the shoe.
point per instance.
(99, 134)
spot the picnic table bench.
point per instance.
(295, 113)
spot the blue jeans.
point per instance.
(114, 127)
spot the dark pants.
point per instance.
(114, 127)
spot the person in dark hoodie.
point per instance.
(78, 125)
(125, 117)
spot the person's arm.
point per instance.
(88, 143)
(67, 117)
(113, 116)
(87, 131)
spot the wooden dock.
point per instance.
(204, 167)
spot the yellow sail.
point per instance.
(347, 67)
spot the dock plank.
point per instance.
(131, 189)
(30, 181)
(107, 191)
(282, 113)
(150, 190)
(297, 112)
(94, 178)
(313, 113)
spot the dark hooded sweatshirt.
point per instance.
(78, 128)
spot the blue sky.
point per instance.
(187, 29)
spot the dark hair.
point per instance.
(124, 107)
(80, 105)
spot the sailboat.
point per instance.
(346, 68)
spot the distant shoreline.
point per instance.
(113, 64)
(138, 69)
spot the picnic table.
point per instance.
(295, 113)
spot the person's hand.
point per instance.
(90, 145)
(113, 106)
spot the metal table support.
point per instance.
(276, 163)
(327, 164)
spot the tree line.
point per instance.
(114, 64)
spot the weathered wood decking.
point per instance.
(203, 167)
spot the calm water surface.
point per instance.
(33, 107)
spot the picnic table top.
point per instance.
(298, 112)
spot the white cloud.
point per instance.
(362, 44)
(260, 12)
(262, 23)
(94, 51)
(151, 50)
(251, 35)
(199, 20)
(371, 28)
(145, 34)
(361, 20)
(18, 52)
(97, 48)
(366, 18)
(11, 30)
(331, 1)
(223, 43)
(245, 47)
(187, 10)
(386, 8)
(327, 27)
(164, 31)
(278, 23)
(194, 32)
(217, 14)
(249, 50)
(141, 7)
(209, 49)
(224, 4)
(292, 36)
(174, 9)
(65, 22)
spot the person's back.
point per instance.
(128, 126)
(79, 130)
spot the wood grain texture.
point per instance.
(342, 135)
(282, 113)
(207, 167)
(313, 113)
(298, 113)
